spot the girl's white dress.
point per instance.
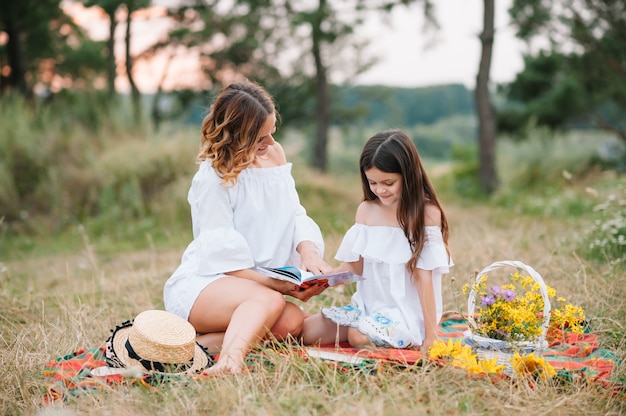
(386, 306)
(257, 222)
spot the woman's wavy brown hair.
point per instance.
(230, 131)
(393, 151)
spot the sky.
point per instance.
(408, 57)
(407, 60)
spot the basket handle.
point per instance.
(471, 300)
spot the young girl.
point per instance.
(399, 244)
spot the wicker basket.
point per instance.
(489, 348)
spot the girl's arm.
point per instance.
(425, 290)
(424, 282)
(355, 267)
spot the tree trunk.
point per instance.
(155, 111)
(16, 58)
(135, 95)
(486, 118)
(322, 107)
(111, 66)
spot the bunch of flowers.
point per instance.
(513, 312)
(532, 366)
(564, 317)
(461, 356)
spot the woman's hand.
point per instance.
(310, 259)
(305, 293)
(302, 293)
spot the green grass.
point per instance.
(52, 304)
(63, 288)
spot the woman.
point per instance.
(245, 213)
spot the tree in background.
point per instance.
(335, 51)
(131, 6)
(325, 30)
(297, 50)
(486, 118)
(110, 8)
(579, 75)
(43, 48)
(26, 25)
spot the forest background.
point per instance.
(93, 182)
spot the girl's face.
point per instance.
(266, 139)
(386, 186)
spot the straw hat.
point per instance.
(156, 342)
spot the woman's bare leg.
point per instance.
(289, 324)
(320, 330)
(212, 341)
(243, 310)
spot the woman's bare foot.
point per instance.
(227, 365)
(224, 369)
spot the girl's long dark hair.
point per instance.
(392, 151)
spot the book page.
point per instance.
(305, 279)
(332, 279)
(281, 273)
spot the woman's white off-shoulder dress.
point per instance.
(257, 222)
(386, 306)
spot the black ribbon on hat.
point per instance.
(156, 365)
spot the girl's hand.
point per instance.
(428, 342)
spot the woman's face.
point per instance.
(266, 139)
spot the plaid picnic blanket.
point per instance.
(71, 375)
(576, 358)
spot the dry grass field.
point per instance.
(51, 306)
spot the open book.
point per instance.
(303, 278)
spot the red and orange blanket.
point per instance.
(575, 358)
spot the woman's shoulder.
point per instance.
(206, 172)
(277, 154)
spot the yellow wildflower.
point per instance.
(442, 350)
(491, 366)
(532, 366)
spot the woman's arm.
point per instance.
(282, 286)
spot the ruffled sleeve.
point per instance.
(219, 247)
(306, 230)
(434, 255)
(376, 244)
(380, 244)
